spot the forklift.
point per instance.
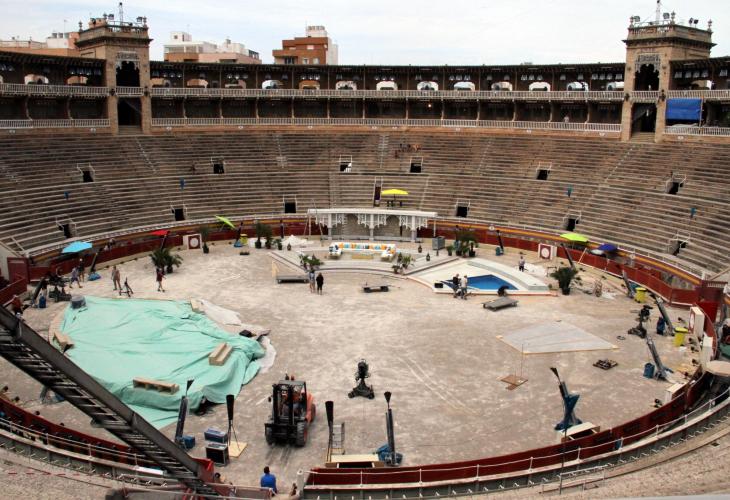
(292, 412)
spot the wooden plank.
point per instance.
(63, 340)
(220, 355)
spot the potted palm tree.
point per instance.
(162, 257)
(466, 242)
(158, 257)
(204, 235)
(450, 249)
(172, 260)
(565, 276)
(262, 231)
(406, 261)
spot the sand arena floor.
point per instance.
(440, 357)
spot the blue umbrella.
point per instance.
(608, 247)
(76, 247)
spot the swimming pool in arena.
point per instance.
(486, 282)
(485, 277)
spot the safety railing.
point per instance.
(525, 471)
(389, 122)
(116, 465)
(52, 90)
(52, 123)
(389, 94)
(703, 131)
(128, 91)
(708, 95)
(644, 95)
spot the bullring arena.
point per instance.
(387, 194)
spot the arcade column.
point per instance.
(146, 118)
(626, 120)
(661, 117)
(112, 113)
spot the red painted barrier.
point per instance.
(587, 447)
(17, 287)
(69, 439)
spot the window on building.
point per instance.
(305, 60)
(315, 60)
(310, 47)
(290, 60)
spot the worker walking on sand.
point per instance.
(117, 279)
(455, 281)
(160, 275)
(464, 286)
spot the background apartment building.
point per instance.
(181, 47)
(314, 48)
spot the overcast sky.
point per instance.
(420, 32)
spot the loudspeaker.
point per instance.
(462, 211)
(230, 398)
(438, 284)
(330, 407)
(179, 214)
(215, 436)
(290, 207)
(218, 453)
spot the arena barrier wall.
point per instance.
(650, 275)
(17, 287)
(581, 449)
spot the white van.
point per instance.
(386, 86)
(615, 86)
(271, 85)
(578, 87)
(502, 86)
(345, 85)
(539, 87)
(427, 86)
(468, 86)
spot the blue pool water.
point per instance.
(486, 282)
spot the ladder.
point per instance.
(27, 350)
(383, 149)
(147, 160)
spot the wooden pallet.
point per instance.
(155, 385)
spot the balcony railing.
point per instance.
(35, 124)
(698, 131)
(169, 92)
(390, 94)
(708, 95)
(52, 90)
(128, 91)
(389, 122)
(644, 95)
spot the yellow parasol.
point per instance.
(394, 192)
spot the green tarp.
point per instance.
(117, 340)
